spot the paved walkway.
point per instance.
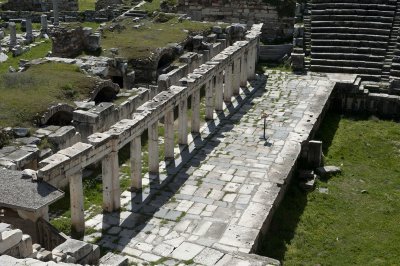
(213, 208)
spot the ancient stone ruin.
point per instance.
(177, 153)
(40, 6)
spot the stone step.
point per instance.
(352, 30)
(353, 17)
(353, 70)
(357, 24)
(346, 63)
(395, 65)
(355, 2)
(395, 73)
(351, 43)
(358, 5)
(349, 56)
(348, 36)
(395, 60)
(354, 11)
(343, 49)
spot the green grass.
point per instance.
(36, 52)
(86, 4)
(152, 6)
(26, 94)
(262, 67)
(357, 222)
(141, 43)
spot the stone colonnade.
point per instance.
(221, 77)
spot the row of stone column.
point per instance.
(219, 88)
(29, 32)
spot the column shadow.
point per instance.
(146, 204)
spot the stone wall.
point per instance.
(40, 6)
(241, 11)
(274, 53)
(71, 42)
(13, 242)
(356, 99)
(80, 16)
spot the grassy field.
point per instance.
(36, 52)
(140, 43)
(24, 95)
(357, 221)
(154, 5)
(86, 4)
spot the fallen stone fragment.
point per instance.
(327, 171)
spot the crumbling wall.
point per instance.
(40, 6)
(71, 42)
(278, 25)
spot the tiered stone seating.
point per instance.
(351, 36)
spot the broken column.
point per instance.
(13, 34)
(43, 24)
(153, 148)
(314, 155)
(28, 34)
(298, 61)
(56, 14)
(136, 164)
(77, 213)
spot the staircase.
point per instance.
(392, 46)
(307, 28)
(352, 36)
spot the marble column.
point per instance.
(228, 83)
(169, 134)
(43, 23)
(111, 188)
(153, 148)
(251, 63)
(13, 34)
(219, 91)
(136, 164)
(76, 198)
(243, 71)
(29, 34)
(209, 100)
(196, 111)
(236, 77)
(56, 14)
(183, 123)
